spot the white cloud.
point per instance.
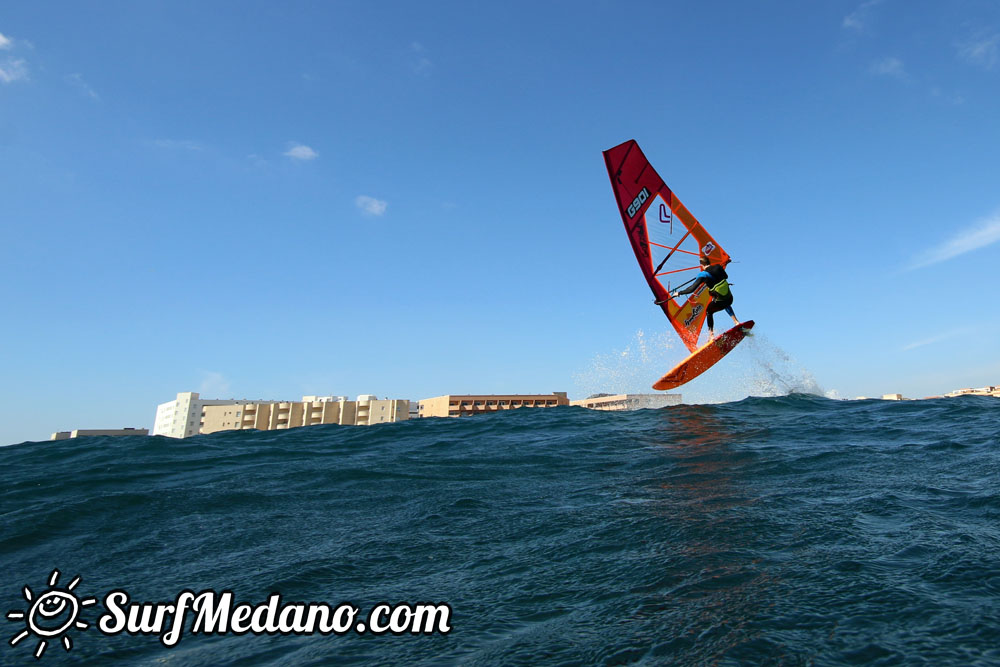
(983, 233)
(5, 44)
(888, 67)
(858, 19)
(936, 339)
(301, 152)
(370, 205)
(83, 86)
(213, 383)
(13, 70)
(422, 64)
(983, 51)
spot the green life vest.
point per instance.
(718, 285)
(719, 289)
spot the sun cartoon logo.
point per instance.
(51, 615)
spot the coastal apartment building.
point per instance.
(181, 417)
(310, 411)
(191, 415)
(462, 405)
(83, 432)
(617, 402)
(981, 391)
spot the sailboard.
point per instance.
(704, 357)
(667, 241)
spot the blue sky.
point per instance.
(265, 200)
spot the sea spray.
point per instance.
(757, 367)
(632, 369)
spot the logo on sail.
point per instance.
(695, 312)
(637, 203)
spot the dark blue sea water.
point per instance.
(793, 530)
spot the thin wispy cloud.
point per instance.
(178, 144)
(213, 383)
(13, 69)
(76, 80)
(891, 67)
(422, 64)
(371, 206)
(301, 152)
(982, 51)
(936, 339)
(983, 233)
(950, 98)
(859, 19)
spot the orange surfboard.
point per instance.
(704, 357)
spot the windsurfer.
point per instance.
(714, 276)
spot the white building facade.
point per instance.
(181, 417)
(189, 414)
(620, 402)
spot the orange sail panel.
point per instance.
(666, 238)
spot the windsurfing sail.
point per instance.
(666, 238)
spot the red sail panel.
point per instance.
(666, 238)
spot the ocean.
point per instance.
(792, 530)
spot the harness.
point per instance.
(718, 285)
(720, 290)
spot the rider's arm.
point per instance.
(699, 279)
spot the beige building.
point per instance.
(81, 433)
(455, 405)
(981, 391)
(180, 417)
(627, 401)
(311, 410)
